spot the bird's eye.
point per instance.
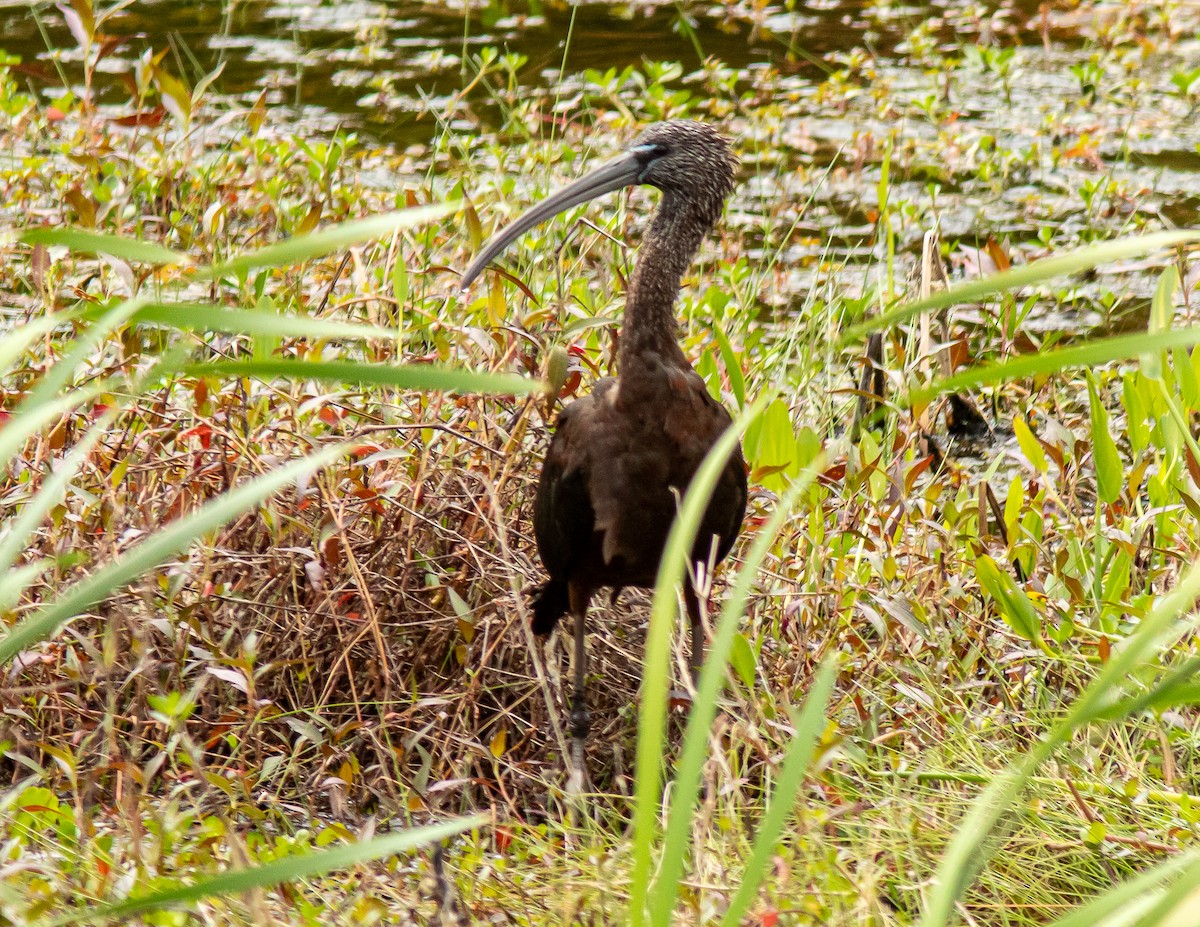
(651, 150)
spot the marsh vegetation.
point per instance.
(264, 511)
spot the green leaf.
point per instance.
(318, 244)
(1185, 376)
(1030, 446)
(1162, 312)
(741, 658)
(96, 243)
(733, 369)
(287, 869)
(411, 376)
(1176, 689)
(1110, 477)
(204, 317)
(772, 446)
(1014, 605)
(1136, 413)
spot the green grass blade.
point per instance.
(404, 376)
(154, 550)
(1110, 476)
(972, 845)
(17, 531)
(1091, 353)
(1175, 688)
(652, 713)
(273, 873)
(14, 343)
(1014, 605)
(60, 373)
(318, 244)
(17, 430)
(13, 582)
(704, 709)
(809, 726)
(126, 249)
(200, 317)
(1131, 900)
(1038, 272)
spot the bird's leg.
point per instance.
(691, 602)
(580, 719)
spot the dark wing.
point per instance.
(728, 507)
(695, 435)
(563, 518)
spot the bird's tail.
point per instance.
(550, 601)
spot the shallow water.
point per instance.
(1005, 155)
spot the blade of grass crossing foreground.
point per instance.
(403, 376)
(653, 708)
(59, 375)
(1040, 271)
(339, 237)
(1178, 905)
(15, 342)
(704, 709)
(274, 873)
(1131, 902)
(154, 550)
(18, 429)
(127, 249)
(17, 530)
(972, 842)
(13, 582)
(809, 726)
(264, 323)
(1089, 354)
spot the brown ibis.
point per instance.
(621, 457)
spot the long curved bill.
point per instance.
(612, 175)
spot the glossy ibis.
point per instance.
(621, 457)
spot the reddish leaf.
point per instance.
(151, 118)
(331, 552)
(960, 353)
(201, 431)
(570, 385)
(916, 470)
(39, 264)
(997, 254)
(85, 206)
(1192, 465)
